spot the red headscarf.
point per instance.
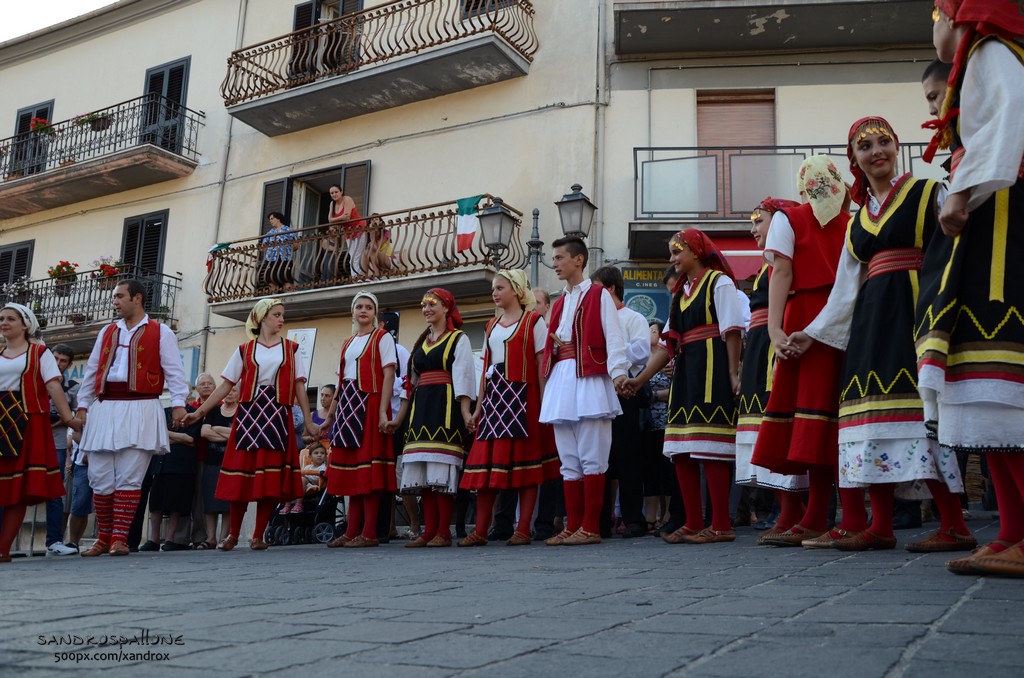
(454, 319)
(704, 249)
(859, 192)
(981, 18)
(771, 204)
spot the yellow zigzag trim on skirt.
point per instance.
(873, 376)
(747, 406)
(989, 335)
(719, 410)
(424, 434)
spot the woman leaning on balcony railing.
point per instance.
(275, 271)
(343, 208)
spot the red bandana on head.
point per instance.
(704, 249)
(771, 204)
(879, 125)
(454, 319)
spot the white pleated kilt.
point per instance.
(115, 425)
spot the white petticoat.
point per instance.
(429, 475)
(115, 425)
(900, 460)
(568, 399)
(758, 476)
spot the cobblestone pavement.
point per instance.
(635, 607)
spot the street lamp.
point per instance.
(496, 225)
(576, 213)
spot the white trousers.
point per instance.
(583, 447)
(124, 470)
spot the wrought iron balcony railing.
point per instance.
(420, 240)
(715, 183)
(370, 37)
(149, 119)
(86, 299)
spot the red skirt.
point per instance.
(510, 463)
(254, 475)
(33, 476)
(800, 427)
(369, 469)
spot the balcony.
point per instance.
(391, 55)
(74, 311)
(136, 143)
(716, 27)
(716, 188)
(422, 242)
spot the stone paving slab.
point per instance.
(634, 607)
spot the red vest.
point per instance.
(369, 367)
(587, 335)
(145, 374)
(284, 382)
(520, 353)
(816, 250)
(34, 397)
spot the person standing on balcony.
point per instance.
(362, 464)
(512, 450)
(756, 379)
(442, 381)
(130, 364)
(585, 364)
(261, 460)
(275, 272)
(343, 209)
(799, 432)
(29, 381)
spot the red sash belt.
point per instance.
(897, 259)
(701, 333)
(435, 377)
(565, 352)
(758, 318)
(118, 390)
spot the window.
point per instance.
(305, 199)
(28, 151)
(15, 261)
(324, 52)
(166, 87)
(142, 250)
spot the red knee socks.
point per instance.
(429, 501)
(855, 515)
(14, 516)
(371, 507)
(103, 504)
(1008, 497)
(237, 514)
(125, 503)
(719, 476)
(688, 474)
(445, 508)
(527, 498)
(882, 500)
(573, 504)
(355, 516)
(790, 509)
(951, 516)
(484, 510)
(593, 500)
(264, 509)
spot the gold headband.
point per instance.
(874, 130)
(430, 298)
(757, 214)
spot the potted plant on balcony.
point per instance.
(18, 290)
(78, 318)
(97, 121)
(64, 275)
(163, 314)
(37, 308)
(67, 158)
(109, 270)
(42, 127)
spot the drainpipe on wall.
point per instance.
(597, 238)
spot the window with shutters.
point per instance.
(327, 51)
(305, 199)
(165, 88)
(15, 261)
(27, 154)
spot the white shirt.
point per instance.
(727, 306)
(618, 363)
(170, 363)
(781, 238)
(386, 345)
(401, 366)
(500, 334)
(269, 359)
(636, 332)
(11, 369)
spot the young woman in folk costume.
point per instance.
(29, 379)
(882, 437)
(800, 429)
(261, 460)
(513, 450)
(705, 335)
(756, 380)
(443, 384)
(362, 464)
(970, 322)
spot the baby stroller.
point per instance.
(322, 517)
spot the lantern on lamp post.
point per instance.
(497, 223)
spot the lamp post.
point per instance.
(496, 226)
(576, 214)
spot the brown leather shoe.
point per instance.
(709, 536)
(1009, 563)
(360, 542)
(965, 565)
(338, 542)
(826, 539)
(440, 541)
(229, 543)
(98, 548)
(119, 548)
(5, 558)
(258, 545)
(679, 536)
(865, 541)
(473, 539)
(935, 543)
(417, 543)
(794, 536)
(559, 538)
(770, 532)
(519, 539)
(582, 538)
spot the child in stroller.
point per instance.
(316, 515)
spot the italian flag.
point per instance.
(466, 226)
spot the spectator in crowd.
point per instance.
(409, 501)
(275, 272)
(377, 255)
(327, 392)
(216, 430)
(56, 516)
(343, 209)
(655, 465)
(331, 255)
(316, 460)
(194, 530)
(174, 476)
(80, 495)
(550, 501)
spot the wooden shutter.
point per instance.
(306, 14)
(166, 87)
(28, 153)
(277, 197)
(143, 243)
(15, 261)
(355, 180)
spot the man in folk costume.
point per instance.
(585, 363)
(131, 363)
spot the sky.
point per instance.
(19, 18)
